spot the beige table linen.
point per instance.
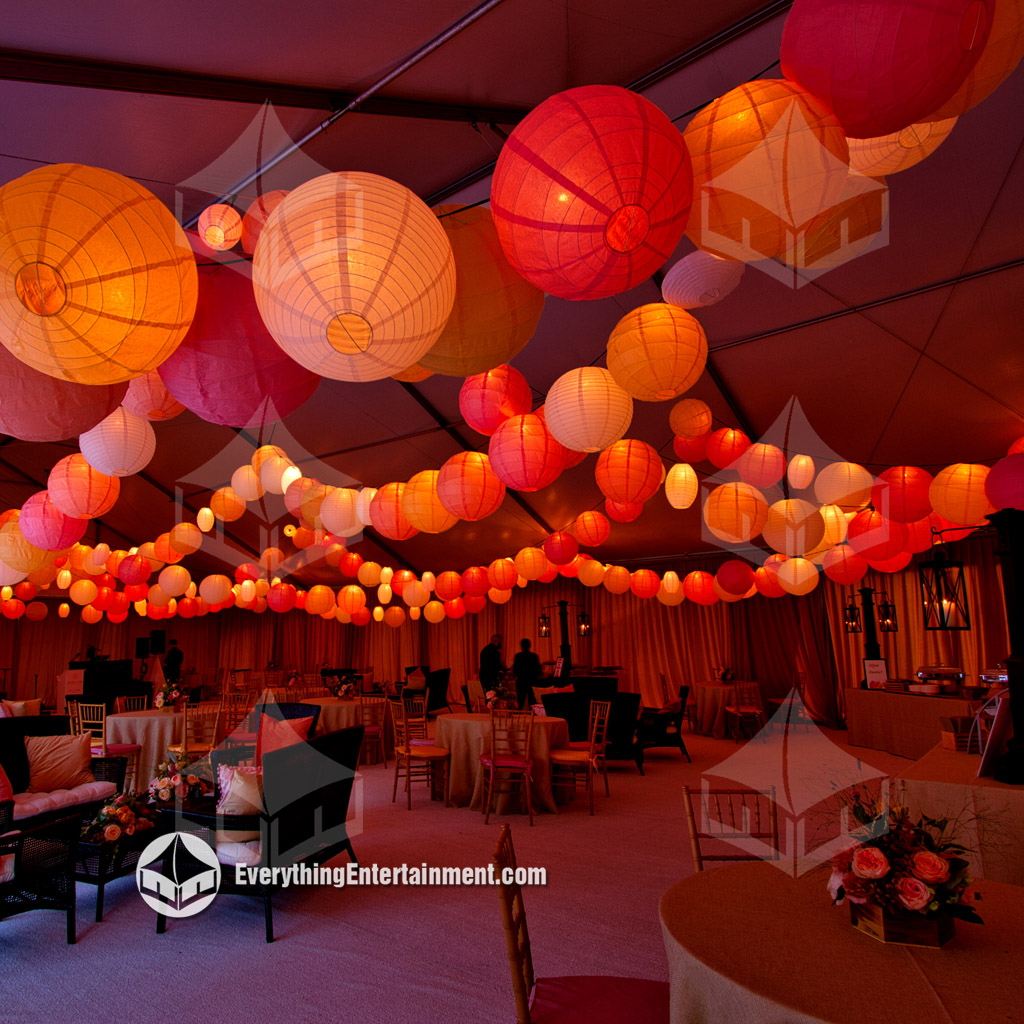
(467, 737)
(748, 943)
(153, 730)
(710, 712)
(944, 783)
(901, 723)
(335, 713)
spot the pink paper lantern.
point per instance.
(149, 398)
(524, 455)
(486, 400)
(1004, 485)
(45, 526)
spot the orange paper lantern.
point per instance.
(220, 227)
(591, 528)
(690, 418)
(691, 449)
(501, 574)
(844, 484)
(422, 505)
(448, 585)
(735, 512)
(681, 485)
(468, 488)
(793, 527)
(628, 471)
(386, 515)
(645, 583)
(725, 446)
(531, 563)
(81, 491)
(762, 465)
(958, 493)
(617, 579)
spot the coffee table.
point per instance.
(99, 863)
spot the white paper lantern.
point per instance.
(681, 485)
(586, 410)
(272, 474)
(366, 496)
(700, 279)
(120, 445)
(338, 511)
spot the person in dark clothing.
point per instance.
(526, 666)
(172, 662)
(490, 663)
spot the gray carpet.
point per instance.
(389, 955)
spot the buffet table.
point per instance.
(749, 943)
(906, 724)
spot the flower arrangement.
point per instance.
(343, 686)
(168, 695)
(294, 678)
(182, 779)
(503, 693)
(903, 866)
(125, 815)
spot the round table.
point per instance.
(468, 736)
(711, 700)
(335, 713)
(750, 943)
(153, 730)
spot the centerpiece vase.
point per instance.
(910, 929)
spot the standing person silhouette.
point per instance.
(527, 669)
(490, 663)
(172, 662)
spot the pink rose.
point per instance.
(869, 862)
(112, 833)
(913, 893)
(834, 883)
(930, 867)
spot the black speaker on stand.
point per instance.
(158, 641)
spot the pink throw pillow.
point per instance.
(6, 789)
(274, 735)
(5, 711)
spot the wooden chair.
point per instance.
(415, 760)
(586, 757)
(507, 766)
(140, 703)
(746, 709)
(474, 694)
(91, 719)
(744, 818)
(596, 1000)
(372, 711)
(199, 733)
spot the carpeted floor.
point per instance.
(392, 955)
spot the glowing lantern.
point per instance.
(277, 474)
(63, 610)
(898, 562)
(901, 494)
(304, 497)
(386, 515)
(623, 511)
(215, 589)
(881, 67)
(761, 465)
(657, 352)
(800, 472)
(229, 370)
(531, 563)
(1004, 485)
(499, 596)
(174, 580)
(681, 485)
(46, 526)
(338, 512)
(378, 614)
(354, 305)
(83, 592)
(628, 471)
(468, 488)
(844, 484)
(384, 593)
(552, 572)
(226, 505)
(368, 574)
(617, 579)
(591, 192)
(586, 410)
(700, 279)
(25, 591)
(591, 529)
(874, 537)
(501, 574)
(690, 418)
(793, 527)
(134, 569)
(671, 593)
(454, 608)
(13, 608)
(767, 157)
(256, 216)
(245, 482)
(899, 151)
(99, 281)
(691, 449)
(797, 576)
(91, 615)
(220, 227)
(560, 547)
(37, 407)
(958, 493)
(422, 505)
(351, 599)
(724, 595)
(699, 587)
(645, 583)
(735, 512)
(725, 446)
(319, 599)
(120, 445)
(205, 519)
(415, 594)
(434, 612)
(524, 455)
(163, 551)
(486, 400)
(401, 579)
(185, 538)
(735, 577)
(448, 585)
(16, 551)
(836, 525)
(475, 581)
(590, 572)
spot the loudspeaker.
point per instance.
(158, 641)
(142, 647)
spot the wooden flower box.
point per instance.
(909, 930)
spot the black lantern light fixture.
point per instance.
(887, 621)
(543, 625)
(851, 618)
(944, 592)
(583, 624)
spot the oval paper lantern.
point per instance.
(120, 445)
(496, 311)
(843, 565)
(148, 397)
(468, 487)
(671, 593)
(591, 528)
(793, 527)
(422, 505)
(628, 471)
(386, 515)
(761, 465)
(79, 490)
(699, 587)
(735, 512)
(256, 216)
(700, 279)
(561, 548)
(591, 192)
(725, 446)
(486, 400)
(524, 455)
(844, 484)
(681, 485)
(44, 525)
(691, 449)
(735, 577)
(354, 276)
(899, 151)
(883, 66)
(37, 407)
(767, 157)
(657, 352)
(220, 227)
(958, 493)
(623, 511)
(1004, 485)
(901, 494)
(874, 537)
(586, 410)
(800, 472)
(97, 279)
(690, 418)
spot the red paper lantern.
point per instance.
(351, 599)
(591, 528)
(454, 608)
(400, 579)
(591, 192)
(1004, 486)
(256, 216)
(875, 537)
(883, 66)
(448, 585)
(502, 574)
(349, 563)
(1017, 447)
(561, 547)
(475, 603)
(699, 587)
(725, 446)
(524, 455)
(735, 577)
(628, 471)
(645, 583)
(361, 617)
(45, 526)
(475, 582)
(386, 514)
(13, 608)
(901, 494)
(691, 449)
(281, 597)
(36, 611)
(761, 465)
(623, 511)
(552, 572)
(486, 400)
(468, 487)
(843, 565)
(898, 561)
(25, 591)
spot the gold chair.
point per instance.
(91, 719)
(372, 712)
(140, 703)
(199, 733)
(588, 757)
(597, 1000)
(415, 757)
(508, 766)
(743, 818)
(475, 696)
(746, 709)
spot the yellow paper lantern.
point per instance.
(844, 484)
(83, 592)
(590, 572)
(797, 576)
(16, 551)
(64, 579)
(354, 276)
(958, 493)
(496, 596)
(800, 472)
(319, 599)
(386, 574)
(384, 594)
(657, 352)
(690, 418)
(434, 612)
(586, 410)
(888, 154)
(185, 538)
(205, 519)
(532, 563)
(220, 227)
(422, 506)
(97, 279)
(226, 505)
(378, 614)
(681, 485)
(735, 512)
(793, 527)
